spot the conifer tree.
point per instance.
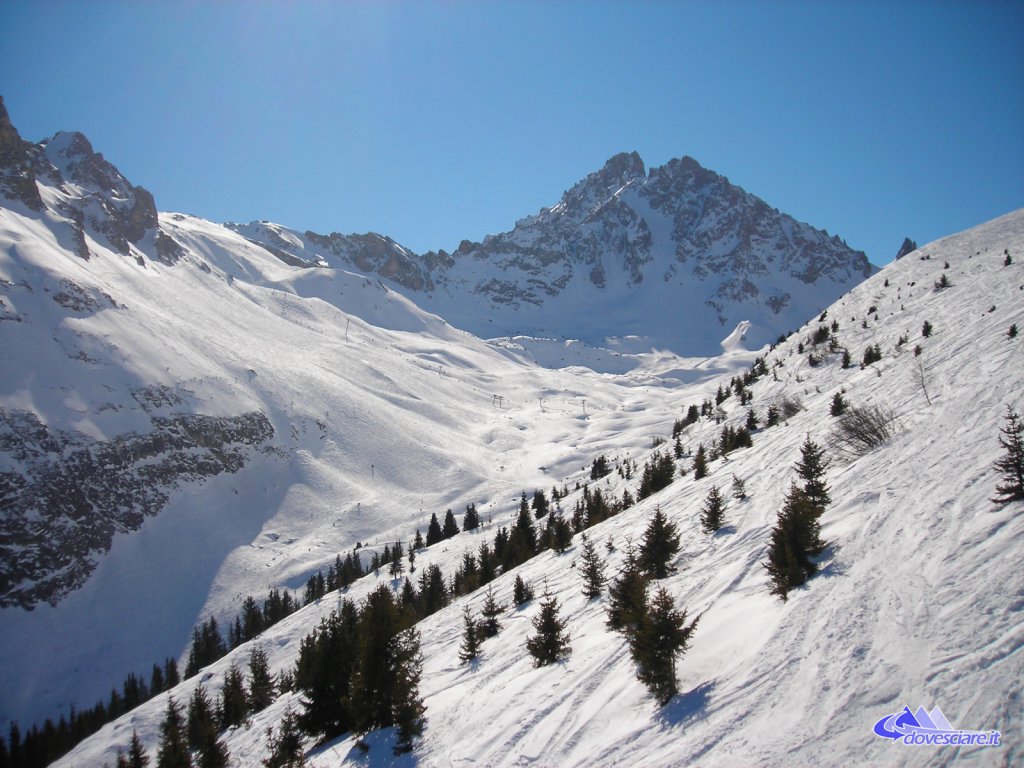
(234, 704)
(795, 541)
(592, 570)
(396, 567)
(173, 749)
(327, 660)
(285, 747)
(627, 596)
(700, 463)
(540, 504)
(713, 511)
(136, 756)
(471, 521)
(522, 592)
(199, 717)
(551, 643)
(811, 468)
(212, 751)
(434, 533)
(450, 527)
(1012, 464)
(739, 488)
(663, 636)
(417, 542)
(470, 647)
(659, 546)
(490, 611)
(838, 407)
(261, 682)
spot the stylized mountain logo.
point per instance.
(930, 728)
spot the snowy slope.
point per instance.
(920, 600)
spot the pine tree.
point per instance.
(450, 527)
(739, 488)
(592, 570)
(136, 756)
(627, 596)
(173, 749)
(522, 592)
(795, 541)
(700, 463)
(551, 643)
(470, 647)
(472, 519)
(926, 329)
(434, 533)
(234, 705)
(491, 610)
(1012, 464)
(713, 511)
(811, 468)
(212, 751)
(773, 415)
(261, 683)
(838, 407)
(660, 545)
(663, 636)
(199, 717)
(417, 542)
(540, 504)
(396, 567)
(327, 660)
(285, 747)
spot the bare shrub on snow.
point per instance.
(862, 429)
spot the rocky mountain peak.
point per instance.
(908, 246)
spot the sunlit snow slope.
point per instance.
(920, 600)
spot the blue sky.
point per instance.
(437, 121)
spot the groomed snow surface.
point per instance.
(920, 599)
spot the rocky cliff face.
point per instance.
(677, 256)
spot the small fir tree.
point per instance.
(470, 647)
(795, 542)
(811, 468)
(739, 488)
(627, 596)
(173, 749)
(551, 643)
(234, 703)
(592, 570)
(663, 636)
(926, 329)
(659, 546)
(490, 611)
(199, 717)
(261, 682)
(700, 463)
(838, 407)
(434, 533)
(1012, 333)
(773, 415)
(1011, 465)
(136, 756)
(450, 527)
(713, 511)
(285, 746)
(471, 520)
(522, 592)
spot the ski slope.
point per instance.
(919, 602)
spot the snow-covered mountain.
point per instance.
(918, 603)
(194, 413)
(670, 259)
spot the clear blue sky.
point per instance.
(437, 121)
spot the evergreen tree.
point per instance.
(663, 636)
(627, 596)
(491, 610)
(285, 747)
(234, 704)
(551, 643)
(540, 504)
(659, 546)
(450, 527)
(261, 682)
(926, 329)
(472, 519)
(700, 463)
(396, 567)
(434, 533)
(1012, 464)
(212, 751)
(592, 570)
(417, 542)
(739, 488)
(433, 593)
(558, 533)
(811, 468)
(171, 676)
(522, 592)
(522, 540)
(136, 756)
(327, 660)
(773, 415)
(199, 717)
(838, 407)
(795, 541)
(470, 647)
(713, 511)
(173, 749)
(751, 422)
